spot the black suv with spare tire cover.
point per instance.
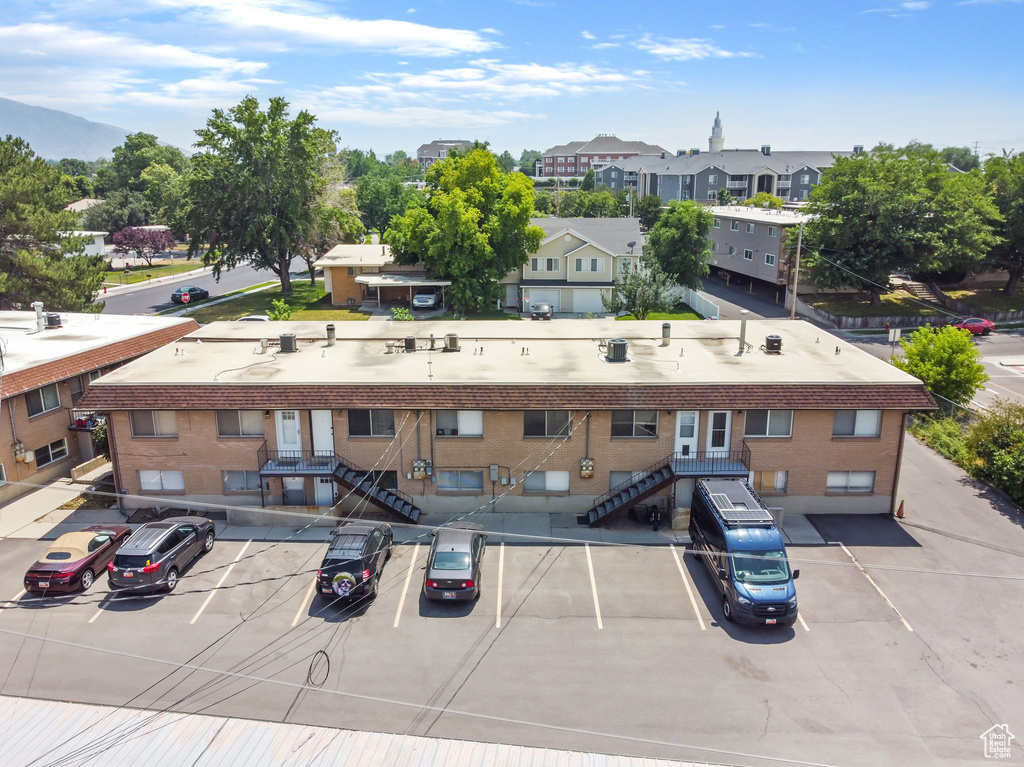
(356, 555)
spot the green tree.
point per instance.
(381, 196)
(961, 157)
(679, 241)
(359, 163)
(946, 361)
(279, 310)
(507, 161)
(995, 448)
(763, 200)
(648, 210)
(121, 208)
(335, 220)
(138, 152)
(895, 211)
(39, 261)
(100, 439)
(254, 188)
(164, 189)
(70, 166)
(528, 161)
(724, 196)
(588, 181)
(1005, 176)
(543, 202)
(641, 291)
(474, 229)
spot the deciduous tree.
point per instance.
(763, 200)
(528, 161)
(255, 184)
(642, 291)
(147, 243)
(648, 210)
(946, 361)
(1005, 176)
(381, 196)
(474, 229)
(679, 241)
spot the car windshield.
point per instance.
(451, 560)
(761, 566)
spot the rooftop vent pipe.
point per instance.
(288, 344)
(40, 320)
(666, 333)
(330, 335)
(743, 329)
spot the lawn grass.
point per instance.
(988, 297)
(895, 304)
(678, 315)
(144, 273)
(308, 302)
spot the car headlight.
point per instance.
(792, 601)
(743, 601)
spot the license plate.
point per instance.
(769, 621)
(44, 584)
(449, 595)
(126, 574)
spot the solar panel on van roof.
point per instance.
(733, 513)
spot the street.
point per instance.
(158, 297)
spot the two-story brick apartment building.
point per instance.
(563, 416)
(47, 361)
(577, 157)
(753, 241)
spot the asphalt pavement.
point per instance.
(142, 299)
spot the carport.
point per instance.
(383, 281)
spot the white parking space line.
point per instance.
(99, 610)
(689, 589)
(800, 617)
(593, 587)
(408, 580)
(879, 590)
(305, 603)
(501, 576)
(220, 583)
(17, 596)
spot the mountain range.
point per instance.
(53, 134)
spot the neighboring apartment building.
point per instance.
(742, 172)
(623, 174)
(47, 361)
(367, 274)
(577, 262)
(430, 153)
(753, 241)
(577, 157)
(457, 417)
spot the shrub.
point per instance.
(401, 314)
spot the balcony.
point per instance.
(296, 463)
(736, 184)
(84, 420)
(712, 463)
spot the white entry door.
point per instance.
(323, 431)
(687, 423)
(719, 427)
(324, 491)
(289, 434)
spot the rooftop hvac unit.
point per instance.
(410, 343)
(773, 344)
(617, 348)
(52, 320)
(451, 342)
(288, 344)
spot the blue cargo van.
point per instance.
(735, 535)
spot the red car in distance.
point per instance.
(72, 561)
(974, 325)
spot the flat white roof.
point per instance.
(760, 215)
(561, 351)
(399, 280)
(375, 254)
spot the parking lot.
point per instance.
(614, 649)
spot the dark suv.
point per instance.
(355, 557)
(154, 556)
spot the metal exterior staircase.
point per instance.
(395, 501)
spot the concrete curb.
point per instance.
(120, 290)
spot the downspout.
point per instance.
(899, 463)
(14, 436)
(112, 447)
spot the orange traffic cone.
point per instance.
(899, 511)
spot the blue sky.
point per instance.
(534, 73)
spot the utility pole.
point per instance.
(796, 272)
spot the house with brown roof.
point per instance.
(47, 361)
(577, 157)
(583, 417)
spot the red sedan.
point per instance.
(974, 325)
(72, 561)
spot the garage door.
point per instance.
(587, 301)
(544, 297)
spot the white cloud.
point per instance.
(602, 46)
(919, 5)
(587, 36)
(988, 2)
(673, 49)
(423, 117)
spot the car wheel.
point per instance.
(986, 331)
(172, 580)
(387, 557)
(727, 609)
(87, 579)
(373, 588)
(208, 542)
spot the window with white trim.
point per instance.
(713, 179)
(459, 423)
(718, 223)
(784, 179)
(732, 250)
(850, 482)
(773, 231)
(734, 226)
(546, 423)
(589, 264)
(770, 481)
(803, 194)
(805, 179)
(42, 400)
(154, 423)
(3, 475)
(161, 480)
(625, 265)
(712, 194)
(239, 423)
(371, 423)
(685, 194)
(768, 423)
(460, 481)
(751, 228)
(546, 482)
(748, 254)
(769, 259)
(237, 481)
(76, 388)
(51, 453)
(857, 423)
(714, 247)
(687, 180)
(634, 423)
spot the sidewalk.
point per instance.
(35, 516)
